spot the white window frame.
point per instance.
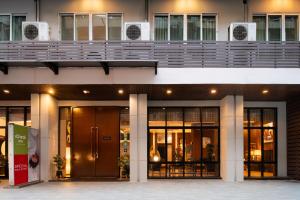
(11, 15)
(185, 23)
(74, 14)
(283, 15)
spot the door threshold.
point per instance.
(91, 179)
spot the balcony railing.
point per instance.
(167, 54)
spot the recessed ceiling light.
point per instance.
(126, 108)
(265, 91)
(213, 91)
(51, 91)
(86, 91)
(6, 91)
(121, 91)
(169, 91)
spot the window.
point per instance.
(161, 27)
(274, 29)
(260, 137)
(11, 27)
(291, 28)
(184, 27)
(176, 27)
(193, 27)
(114, 26)
(67, 27)
(183, 142)
(17, 27)
(5, 28)
(16, 115)
(91, 26)
(260, 27)
(82, 27)
(99, 27)
(209, 27)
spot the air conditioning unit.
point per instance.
(137, 31)
(242, 31)
(35, 31)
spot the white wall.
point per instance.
(146, 76)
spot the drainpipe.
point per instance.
(245, 2)
(37, 10)
(146, 10)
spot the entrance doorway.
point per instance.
(95, 146)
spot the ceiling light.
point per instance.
(121, 91)
(265, 91)
(6, 91)
(86, 91)
(169, 92)
(51, 91)
(213, 91)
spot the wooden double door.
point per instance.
(95, 146)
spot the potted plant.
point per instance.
(59, 163)
(124, 165)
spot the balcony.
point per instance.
(162, 54)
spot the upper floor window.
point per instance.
(11, 27)
(270, 27)
(91, 26)
(184, 27)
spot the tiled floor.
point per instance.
(162, 189)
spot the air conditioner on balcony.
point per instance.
(137, 31)
(35, 31)
(242, 31)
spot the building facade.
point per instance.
(185, 103)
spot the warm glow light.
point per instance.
(51, 91)
(86, 92)
(213, 91)
(156, 158)
(169, 92)
(3, 148)
(265, 91)
(121, 91)
(6, 91)
(68, 160)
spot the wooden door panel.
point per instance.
(83, 163)
(107, 121)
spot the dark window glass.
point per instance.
(192, 117)
(82, 27)
(114, 26)
(174, 117)
(176, 27)
(157, 117)
(260, 27)
(193, 27)
(161, 27)
(210, 145)
(99, 27)
(209, 27)
(16, 116)
(255, 118)
(4, 27)
(67, 27)
(17, 27)
(210, 116)
(274, 28)
(291, 28)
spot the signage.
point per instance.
(24, 151)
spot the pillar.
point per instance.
(133, 109)
(44, 116)
(142, 137)
(232, 138)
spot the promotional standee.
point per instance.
(24, 155)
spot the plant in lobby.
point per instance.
(210, 157)
(124, 165)
(59, 163)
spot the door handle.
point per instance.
(97, 143)
(91, 142)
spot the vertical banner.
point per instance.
(24, 151)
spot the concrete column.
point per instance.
(49, 134)
(35, 111)
(133, 121)
(142, 137)
(232, 138)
